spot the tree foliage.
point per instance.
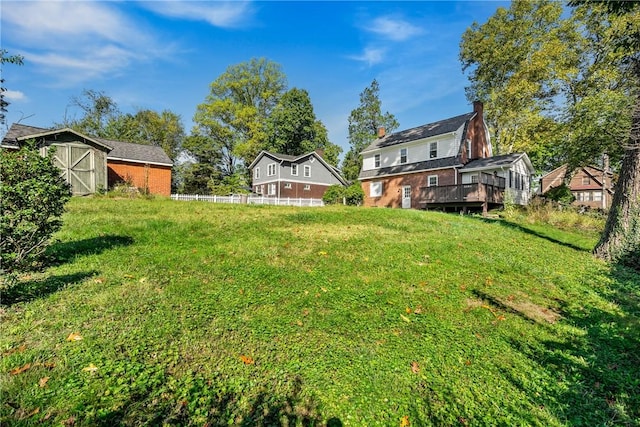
(352, 195)
(5, 58)
(364, 122)
(32, 198)
(293, 129)
(230, 123)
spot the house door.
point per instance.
(78, 167)
(406, 197)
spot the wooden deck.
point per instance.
(464, 196)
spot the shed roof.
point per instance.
(495, 162)
(116, 150)
(427, 165)
(440, 127)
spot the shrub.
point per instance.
(561, 194)
(32, 199)
(336, 194)
(333, 195)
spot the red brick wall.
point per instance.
(156, 178)
(392, 188)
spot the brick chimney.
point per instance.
(381, 132)
(478, 107)
(320, 152)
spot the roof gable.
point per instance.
(429, 130)
(116, 150)
(293, 159)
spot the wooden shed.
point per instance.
(92, 164)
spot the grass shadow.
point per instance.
(29, 290)
(532, 232)
(598, 366)
(64, 252)
(229, 408)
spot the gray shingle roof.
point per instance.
(446, 162)
(493, 162)
(126, 151)
(425, 131)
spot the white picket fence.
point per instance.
(257, 200)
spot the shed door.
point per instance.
(78, 167)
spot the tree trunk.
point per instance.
(620, 241)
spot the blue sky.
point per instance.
(164, 54)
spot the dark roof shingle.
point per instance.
(425, 131)
(445, 162)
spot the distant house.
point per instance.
(590, 185)
(90, 164)
(304, 176)
(448, 165)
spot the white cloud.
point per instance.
(14, 95)
(371, 56)
(394, 28)
(218, 14)
(75, 41)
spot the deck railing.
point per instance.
(463, 193)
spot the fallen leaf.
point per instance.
(404, 421)
(21, 369)
(91, 368)
(74, 336)
(43, 381)
(129, 276)
(405, 318)
(322, 253)
(324, 289)
(144, 279)
(467, 362)
(501, 317)
(32, 413)
(100, 280)
(408, 310)
(20, 349)
(299, 323)
(415, 368)
(247, 360)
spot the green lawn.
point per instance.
(189, 313)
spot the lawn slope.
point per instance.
(187, 313)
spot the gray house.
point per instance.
(304, 176)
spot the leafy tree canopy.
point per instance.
(364, 122)
(5, 58)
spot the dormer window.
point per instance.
(403, 155)
(469, 155)
(433, 150)
(271, 169)
(376, 161)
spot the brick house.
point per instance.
(448, 165)
(591, 186)
(306, 176)
(90, 164)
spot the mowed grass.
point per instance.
(186, 313)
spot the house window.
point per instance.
(375, 189)
(376, 161)
(468, 148)
(510, 179)
(294, 170)
(586, 180)
(432, 181)
(287, 186)
(307, 187)
(256, 173)
(474, 179)
(597, 196)
(433, 150)
(307, 171)
(271, 169)
(257, 189)
(403, 155)
(272, 189)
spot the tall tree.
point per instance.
(232, 119)
(620, 241)
(292, 128)
(97, 111)
(515, 61)
(5, 58)
(364, 122)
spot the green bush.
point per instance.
(337, 194)
(333, 195)
(32, 199)
(561, 194)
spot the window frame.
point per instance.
(379, 188)
(307, 171)
(256, 173)
(376, 161)
(433, 150)
(429, 184)
(406, 155)
(294, 169)
(271, 169)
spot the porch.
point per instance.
(485, 191)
